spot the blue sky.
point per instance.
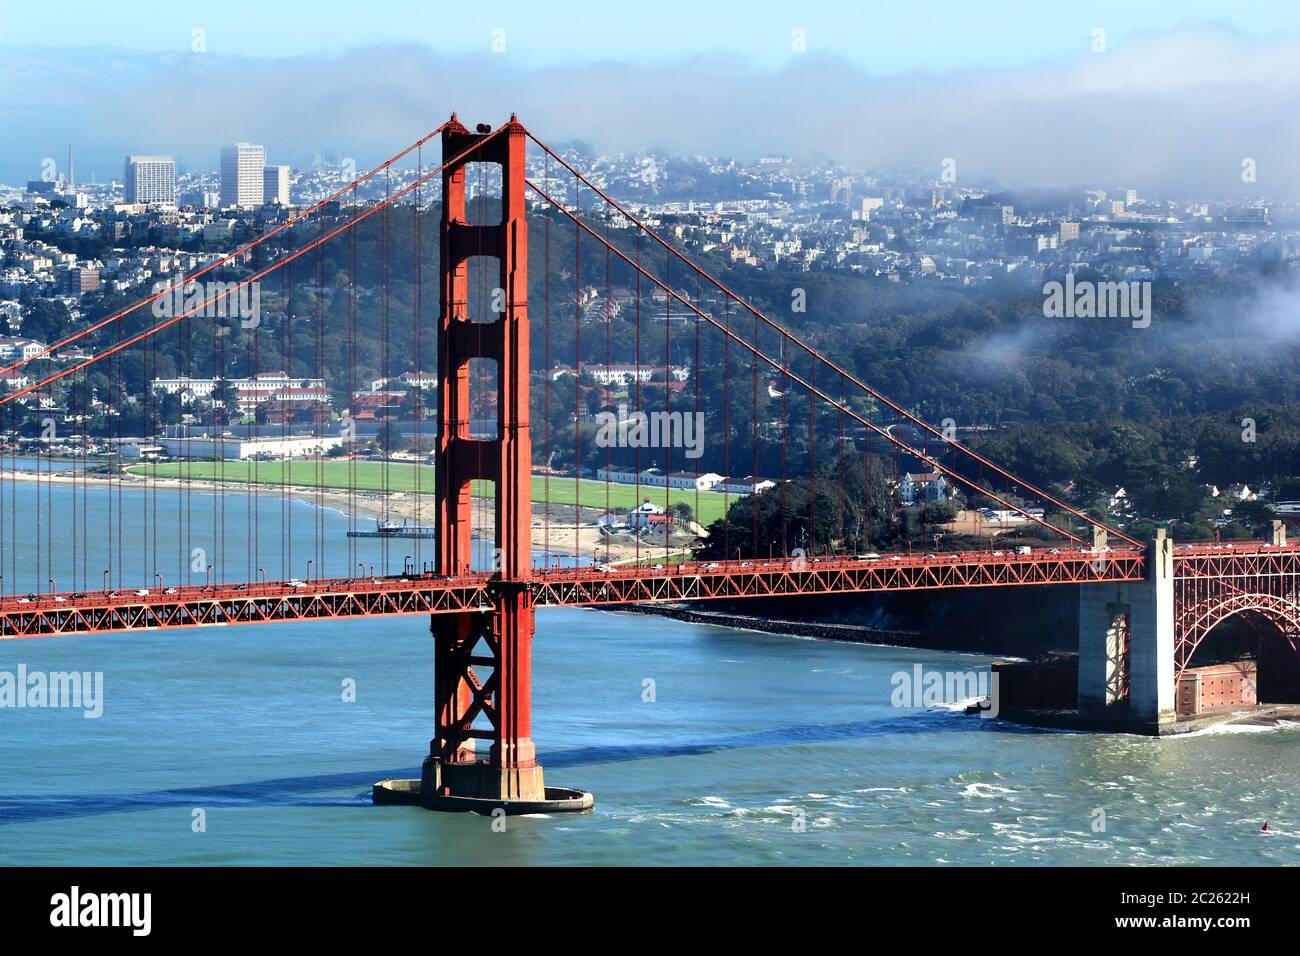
(876, 37)
(1013, 91)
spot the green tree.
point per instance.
(1253, 515)
(390, 438)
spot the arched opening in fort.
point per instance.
(1248, 655)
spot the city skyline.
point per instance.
(1085, 105)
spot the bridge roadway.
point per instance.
(37, 615)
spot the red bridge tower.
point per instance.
(483, 659)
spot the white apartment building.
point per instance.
(150, 179)
(628, 374)
(926, 486)
(233, 448)
(262, 387)
(14, 379)
(420, 380)
(11, 347)
(242, 168)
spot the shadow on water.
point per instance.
(295, 791)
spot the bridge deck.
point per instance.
(277, 601)
(39, 615)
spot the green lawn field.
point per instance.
(369, 476)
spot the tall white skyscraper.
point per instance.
(275, 184)
(150, 179)
(241, 174)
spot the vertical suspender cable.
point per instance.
(577, 391)
(417, 385)
(386, 449)
(839, 467)
(812, 461)
(726, 430)
(609, 362)
(753, 489)
(697, 425)
(546, 380)
(785, 443)
(640, 517)
(668, 361)
(350, 432)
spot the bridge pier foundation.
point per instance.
(1126, 648)
(482, 692)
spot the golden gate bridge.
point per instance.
(1145, 606)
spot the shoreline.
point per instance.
(559, 538)
(822, 630)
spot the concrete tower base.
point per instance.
(1126, 649)
(478, 787)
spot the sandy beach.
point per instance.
(555, 532)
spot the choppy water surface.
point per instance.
(757, 749)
